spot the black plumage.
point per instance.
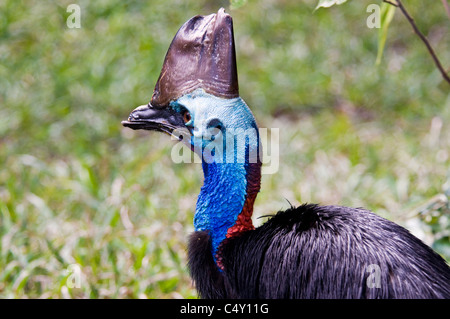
(320, 252)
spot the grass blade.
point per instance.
(387, 14)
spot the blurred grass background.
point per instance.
(78, 188)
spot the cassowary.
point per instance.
(306, 252)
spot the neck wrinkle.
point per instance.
(244, 220)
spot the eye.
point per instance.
(186, 117)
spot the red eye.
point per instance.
(186, 117)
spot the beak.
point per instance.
(147, 117)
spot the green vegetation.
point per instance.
(78, 188)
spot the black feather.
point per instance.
(320, 252)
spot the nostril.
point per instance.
(133, 116)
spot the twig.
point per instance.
(422, 37)
(391, 3)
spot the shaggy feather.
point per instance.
(320, 252)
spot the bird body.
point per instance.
(320, 252)
(306, 252)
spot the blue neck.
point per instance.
(221, 199)
(225, 136)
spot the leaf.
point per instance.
(387, 13)
(328, 3)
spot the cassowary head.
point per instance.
(196, 98)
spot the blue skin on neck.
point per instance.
(221, 199)
(224, 133)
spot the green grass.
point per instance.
(77, 188)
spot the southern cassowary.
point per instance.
(306, 252)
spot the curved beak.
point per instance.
(147, 117)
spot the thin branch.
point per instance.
(422, 37)
(392, 3)
(447, 9)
